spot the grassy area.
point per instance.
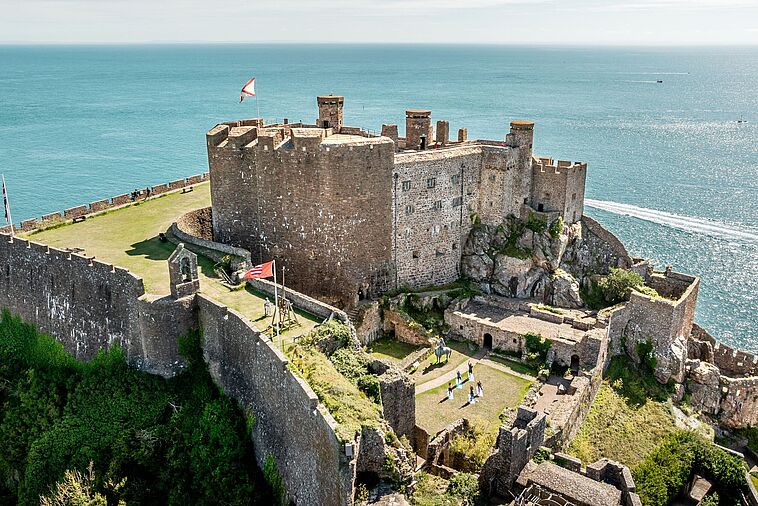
(754, 479)
(462, 351)
(349, 406)
(513, 365)
(630, 416)
(128, 237)
(390, 349)
(501, 390)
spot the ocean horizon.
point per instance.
(672, 165)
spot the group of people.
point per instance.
(472, 394)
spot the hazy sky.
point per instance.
(575, 22)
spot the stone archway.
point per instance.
(575, 364)
(487, 341)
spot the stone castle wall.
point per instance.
(322, 209)
(290, 425)
(434, 194)
(79, 212)
(665, 323)
(559, 186)
(88, 305)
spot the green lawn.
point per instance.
(501, 390)
(620, 430)
(128, 237)
(429, 370)
(515, 366)
(390, 349)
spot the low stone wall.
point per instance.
(290, 424)
(183, 230)
(405, 329)
(368, 322)
(99, 206)
(302, 301)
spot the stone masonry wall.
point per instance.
(99, 206)
(88, 305)
(665, 323)
(321, 208)
(434, 194)
(290, 425)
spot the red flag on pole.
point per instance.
(260, 271)
(248, 89)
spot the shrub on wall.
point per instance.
(665, 472)
(556, 227)
(536, 224)
(536, 348)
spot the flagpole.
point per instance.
(276, 302)
(258, 109)
(7, 206)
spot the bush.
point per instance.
(163, 441)
(646, 355)
(536, 348)
(618, 285)
(634, 385)
(664, 473)
(536, 224)
(274, 480)
(470, 450)
(465, 486)
(556, 227)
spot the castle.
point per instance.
(353, 215)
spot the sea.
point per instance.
(670, 134)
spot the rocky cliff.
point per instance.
(536, 259)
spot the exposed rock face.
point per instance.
(514, 261)
(704, 386)
(390, 462)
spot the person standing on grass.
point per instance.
(449, 391)
(471, 397)
(470, 371)
(458, 380)
(479, 389)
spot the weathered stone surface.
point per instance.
(564, 290)
(478, 267)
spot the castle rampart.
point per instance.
(558, 185)
(89, 305)
(289, 423)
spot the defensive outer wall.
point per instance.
(88, 305)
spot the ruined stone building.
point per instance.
(351, 215)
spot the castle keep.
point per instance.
(353, 214)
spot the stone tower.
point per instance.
(418, 128)
(330, 111)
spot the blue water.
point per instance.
(82, 123)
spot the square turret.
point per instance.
(330, 111)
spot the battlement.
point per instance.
(556, 166)
(86, 210)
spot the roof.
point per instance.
(574, 486)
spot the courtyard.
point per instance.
(129, 237)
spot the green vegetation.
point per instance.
(549, 309)
(556, 227)
(511, 247)
(435, 491)
(751, 434)
(177, 441)
(541, 455)
(631, 415)
(343, 396)
(431, 319)
(536, 224)
(390, 349)
(646, 354)
(536, 349)
(274, 480)
(470, 450)
(616, 287)
(665, 471)
(78, 489)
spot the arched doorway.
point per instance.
(575, 364)
(488, 341)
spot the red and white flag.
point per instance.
(248, 90)
(260, 271)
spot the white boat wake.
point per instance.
(688, 224)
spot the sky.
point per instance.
(554, 22)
